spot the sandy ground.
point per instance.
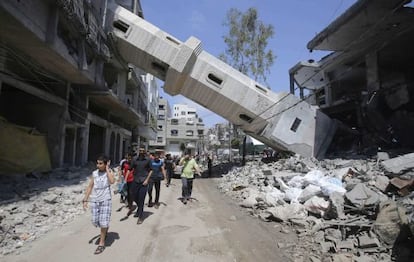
(210, 228)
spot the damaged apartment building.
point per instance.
(367, 81)
(65, 94)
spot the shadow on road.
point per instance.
(110, 238)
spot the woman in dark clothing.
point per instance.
(169, 168)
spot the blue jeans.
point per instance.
(187, 187)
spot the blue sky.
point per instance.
(295, 22)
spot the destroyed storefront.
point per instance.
(63, 98)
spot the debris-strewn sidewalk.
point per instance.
(33, 204)
(342, 210)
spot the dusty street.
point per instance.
(210, 228)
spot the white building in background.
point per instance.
(177, 129)
(164, 113)
(148, 131)
(184, 111)
(185, 129)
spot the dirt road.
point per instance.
(210, 228)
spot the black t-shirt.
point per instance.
(141, 167)
(169, 163)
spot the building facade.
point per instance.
(62, 79)
(179, 130)
(164, 113)
(366, 82)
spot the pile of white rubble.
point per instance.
(341, 210)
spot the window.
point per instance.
(215, 79)
(159, 128)
(295, 124)
(174, 132)
(159, 139)
(183, 113)
(174, 121)
(189, 133)
(161, 107)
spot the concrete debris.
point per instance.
(389, 221)
(366, 241)
(308, 192)
(345, 245)
(33, 205)
(343, 257)
(334, 205)
(399, 164)
(364, 258)
(285, 213)
(326, 246)
(404, 186)
(317, 205)
(361, 196)
(382, 182)
(382, 156)
(336, 209)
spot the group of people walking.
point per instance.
(141, 173)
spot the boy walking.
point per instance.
(101, 202)
(157, 173)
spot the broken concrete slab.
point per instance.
(366, 241)
(284, 213)
(399, 164)
(361, 196)
(382, 182)
(345, 245)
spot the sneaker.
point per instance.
(167, 185)
(150, 204)
(139, 221)
(136, 215)
(129, 212)
(185, 201)
(157, 205)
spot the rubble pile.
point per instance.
(34, 204)
(341, 210)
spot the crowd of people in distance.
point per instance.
(140, 174)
